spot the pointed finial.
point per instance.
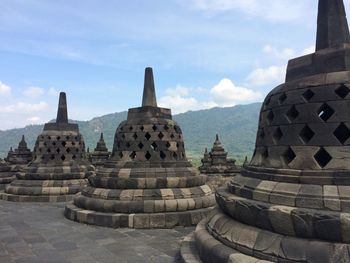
(217, 137)
(149, 93)
(332, 25)
(101, 137)
(88, 150)
(23, 139)
(62, 115)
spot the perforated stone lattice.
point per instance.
(49, 148)
(303, 116)
(157, 142)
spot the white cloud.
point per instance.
(309, 50)
(33, 120)
(265, 76)
(5, 90)
(283, 54)
(274, 10)
(22, 107)
(53, 92)
(226, 94)
(33, 92)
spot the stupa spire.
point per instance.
(62, 115)
(149, 93)
(332, 25)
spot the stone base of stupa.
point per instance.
(137, 220)
(47, 184)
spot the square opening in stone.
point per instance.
(322, 157)
(342, 91)
(325, 112)
(342, 133)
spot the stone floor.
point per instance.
(38, 232)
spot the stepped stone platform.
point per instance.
(148, 181)
(6, 174)
(291, 203)
(38, 232)
(59, 169)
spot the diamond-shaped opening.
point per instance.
(177, 145)
(166, 127)
(121, 154)
(162, 155)
(175, 155)
(123, 136)
(277, 135)
(58, 150)
(265, 153)
(74, 157)
(306, 134)
(342, 91)
(292, 113)
(270, 116)
(63, 157)
(325, 112)
(54, 143)
(52, 156)
(288, 156)
(342, 133)
(177, 129)
(282, 98)
(68, 150)
(73, 143)
(131, 128)
(76, 150)
(168, 145)
(147, 136)
(135, 136)
(122, 128)
(148, 155)
(58, 138)
(160, 135)
(140, 145)
(142, 128)
(154, 146)
(132, 155)
(172, 136)
(63, 143)
(154, 127)
(67, 137)
(322, 157)
(48, 150)
(127, 145)
(308, 95)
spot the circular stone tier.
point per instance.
(59, 169)
(6, 174)
(292, 202)
(148, 181)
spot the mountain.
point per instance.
(236, 126)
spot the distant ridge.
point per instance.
(236, 125)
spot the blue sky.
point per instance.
(204, 53)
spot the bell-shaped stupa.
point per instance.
(20, 156)
(215, 162)
(101, 154)
(148, 181)
(59, 168)
(291, 203)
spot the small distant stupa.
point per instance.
(148, 181)
(20, 156)
(59, 168)
(216, 162)
(101, 154)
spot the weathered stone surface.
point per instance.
(147, 178)
(59, 168)
(291, 203)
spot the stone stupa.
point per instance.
(101, 154)
(59, 168)
(7, 175)
(291, 203)
(216, 162)
(20, 156)
(148, 181)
